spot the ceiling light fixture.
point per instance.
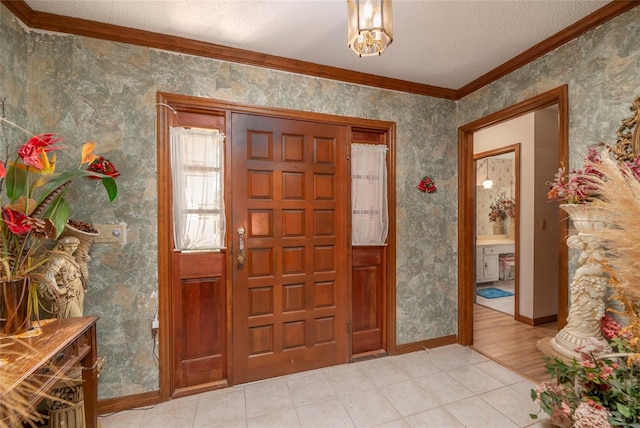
(370, 26)
(487, 183)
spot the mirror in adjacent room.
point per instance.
(495, 181)
(495, 220)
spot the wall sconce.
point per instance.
(487, 183)
(370, 26)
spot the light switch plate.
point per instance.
(111, 233)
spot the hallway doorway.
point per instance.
(466, 235)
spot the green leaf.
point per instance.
(533, 416)
(108, 182)
(16, 180)
(56, 180)
(112, 188)
(624, 410)
(58, 213)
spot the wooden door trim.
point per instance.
(167, 103)
(165, 232)
(391, 256)
(466, 203)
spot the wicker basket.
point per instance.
(67, 417)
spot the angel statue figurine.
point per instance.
(65, 278)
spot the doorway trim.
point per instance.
(466, 203)
(166, 104)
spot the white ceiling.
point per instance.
(446, 43)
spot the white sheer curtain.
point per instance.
(197, 166)
(369, 217)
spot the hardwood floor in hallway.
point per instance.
(511, 343)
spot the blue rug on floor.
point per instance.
(492, 293)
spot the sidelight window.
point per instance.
(197, 166)
(369, 214)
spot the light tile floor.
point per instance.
(448, 387)
(505, 305)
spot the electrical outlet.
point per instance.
(111, 233)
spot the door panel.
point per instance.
(199, 314)
(289, 296)
(368, 299)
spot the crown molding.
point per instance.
(586, 24)
(82, 27)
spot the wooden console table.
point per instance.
(46, 359)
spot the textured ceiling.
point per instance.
(445, 43)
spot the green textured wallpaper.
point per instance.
(88, 89)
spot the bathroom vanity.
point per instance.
(488, 251)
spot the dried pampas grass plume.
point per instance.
(619, 194)
(16, 407)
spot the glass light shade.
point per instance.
(487, 184)
(370, 26)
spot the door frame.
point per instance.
(466, 204)
(515, 148)
(167, 104)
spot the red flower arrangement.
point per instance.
(427, 185)
(33, 198)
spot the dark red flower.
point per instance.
(17, 222)
(103, 166)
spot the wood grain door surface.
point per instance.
(198, 302)
(290, 294)
(368, 300)
(369, 282)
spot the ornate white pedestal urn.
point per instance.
(589, 285)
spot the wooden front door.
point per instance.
(289, 194)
